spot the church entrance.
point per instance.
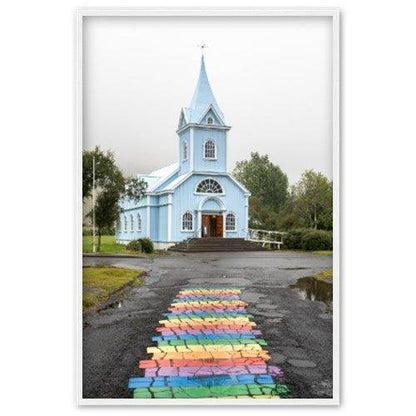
(212, 225)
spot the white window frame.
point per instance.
(192, 219)
(131, 223)
(184, 151)
(209, 193)
(204, 148)
(235, 222)
(139, 222)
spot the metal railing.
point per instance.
(265, 237)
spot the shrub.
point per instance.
(134, 245)
(147, 245)
(317, 240)
(293, 239)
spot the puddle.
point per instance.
(316, 290)
(294, 268)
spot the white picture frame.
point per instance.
(333, 13)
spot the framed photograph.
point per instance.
(207, 144)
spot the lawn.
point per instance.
(100, 282)
(323, 252)
(326, 276)
(109, 246)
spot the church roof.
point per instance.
(157, 177)
(203, 98)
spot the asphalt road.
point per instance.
(298, 331)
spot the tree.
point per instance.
(312, 200)
(107, 174)
(268, 186)
(111, 187)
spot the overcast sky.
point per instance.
(270, 76)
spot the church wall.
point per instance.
(184, 199)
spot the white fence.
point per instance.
(266, 237)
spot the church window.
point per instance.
(210, 120)
(209, 150)
(139, 222)
(185, 151)
(125, 222)
(131, 223)
(209, 186)
(187, 221)
(230, 223)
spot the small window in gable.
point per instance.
(230, 222)
(187, 221)
(184, 151)
(210, 120)
(210, 150)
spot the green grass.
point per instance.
(100, 282)
(326, 275)
(323, 252)
(109, 246)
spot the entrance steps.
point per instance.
(207, 244)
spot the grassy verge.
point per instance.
(100, 282)
(326, 276)
(109, 246)
(323, 252)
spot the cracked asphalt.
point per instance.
(298, 331)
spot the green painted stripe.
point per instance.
(224, 341)
(212, 391)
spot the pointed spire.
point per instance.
(203, 96)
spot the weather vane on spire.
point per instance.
(203, 46)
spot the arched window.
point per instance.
(139, 222)
(209, 186)
(118, 224)
(210, 120)
(131, 223)
(230, 223)
(184, 151)
(187, 221)
(210, 150)
(125, 222)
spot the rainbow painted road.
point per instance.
(208, 347)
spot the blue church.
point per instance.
(195, 197)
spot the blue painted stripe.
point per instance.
(199, 337)
(219, 380)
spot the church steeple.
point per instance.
(203, 96)
(203, 104)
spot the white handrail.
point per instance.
(266, 236)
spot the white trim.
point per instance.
(148, 217)
(170, 217)
(215, 149)
(246, 212)
(217, 115)
(191, 149)
(193, 222)
(235, 222)
(139, 222)
(213, 197)
(184, 150)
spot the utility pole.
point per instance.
(93, 205)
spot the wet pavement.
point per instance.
(297, 327)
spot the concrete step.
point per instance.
(211, 244)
